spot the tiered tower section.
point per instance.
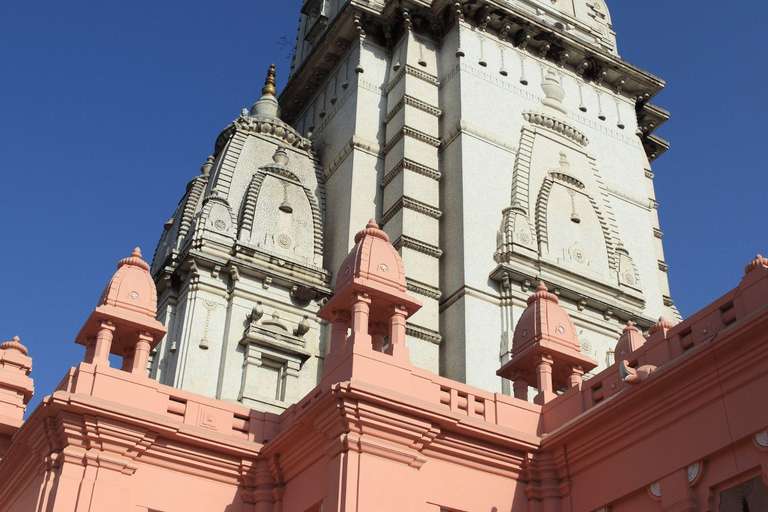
(500, 144)
(239, 268)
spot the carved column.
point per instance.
(544, 365)
(360, 311)
(378, 331)
(100, 354)
(141, 354)
(520, 386)
(574, 376)
(339, 326)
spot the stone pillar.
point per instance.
(141, 354)
(128, 356)
(100, 354)
(378, 331)
(574, 376)
(544, 365)
(90, 348)
(360, 311)
(411, 188)
(397, 346)
(339, 326)
(520, 385)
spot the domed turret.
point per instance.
(369, 297)
(123, 322)
(372, 258)
(545, 349)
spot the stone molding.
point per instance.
(355, 143)
(414, 134)
(646, 204)
(410, 165)
(557, 125)
(422, 288)
(407, 242)
(410, 204)
(423, 334)
(412, 102)
(465, 127)
(414, 72)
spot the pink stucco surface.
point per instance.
(378, 434)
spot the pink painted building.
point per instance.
(678, 423)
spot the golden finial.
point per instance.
(269, 83)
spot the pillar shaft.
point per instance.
(141, 354)
(520, 386)
(544, 379)
(103, 346)
(397, 346)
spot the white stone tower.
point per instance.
(498, 143)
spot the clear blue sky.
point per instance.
(107, 109)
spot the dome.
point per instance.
(545, 332)
(630, 340)
(132, 287)
(544, 321)
(373, 268)
(129, 303)
(373, 258)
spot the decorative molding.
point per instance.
(407, 242)
(412, 102)
(556, 125)
(636, 200)
(567, 179)
(422, 289)
(410, 204)
(414, 134)
(663, 266)
(415, 72)
(410, 165)
(424, 334)
(658, 233)
(465, 127)
(355, 143)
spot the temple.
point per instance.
(428, 276)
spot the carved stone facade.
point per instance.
(497, 144)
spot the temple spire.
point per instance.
(269, 84)
(267, 104)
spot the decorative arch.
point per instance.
(292, 186)
(574, 185)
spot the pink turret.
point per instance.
(123, 322)
(16, 386)
(545, 349)
(370, 298)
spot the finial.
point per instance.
(542, 293)
(269, 83)
(663, 323)
(14, 344)
(134, 260)
(205, 170)
(372, 229)
(281, 156)
(758, 262)
(630, 327)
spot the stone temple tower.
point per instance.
(497, 143)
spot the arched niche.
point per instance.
(278, 218)
(571, 231)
